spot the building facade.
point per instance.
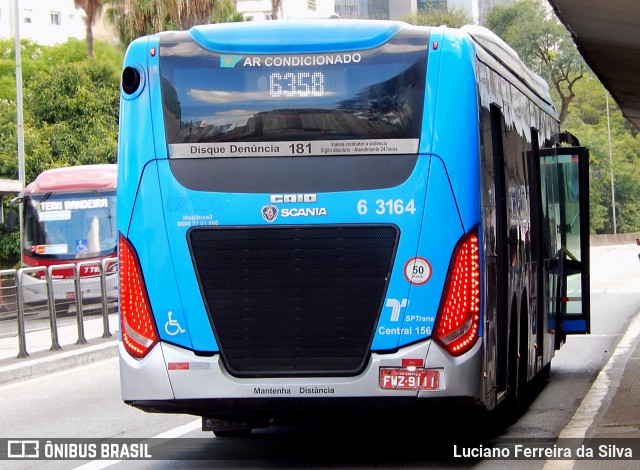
(55, 21)
(258, 10)
(375, 9)
(48, 23)
(476, 10)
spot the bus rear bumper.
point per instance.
(171, 379)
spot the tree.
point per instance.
(77, 110)
(543, 44)
(453, 18)
(70, 108)
(135, 18)
(225, 12)
(70, 113)
(587, 120)
(29, 52)
(92, 9)
(275, 8)
(187, 13)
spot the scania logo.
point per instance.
(269, 213)
(292, 198)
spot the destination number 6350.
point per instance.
(387, 206)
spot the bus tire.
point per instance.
(545, 372)
(8, 308)
(513, 353)
(523, 349)
(62, 307)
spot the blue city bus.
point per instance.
(338, 215)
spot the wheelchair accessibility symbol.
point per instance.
(172, 327)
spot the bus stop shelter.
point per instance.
(9, 187)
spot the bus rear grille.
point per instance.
(288, 300)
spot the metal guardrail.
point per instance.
(22, 332)
(39, 291)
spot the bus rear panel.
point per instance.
(300, 219)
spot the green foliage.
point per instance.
(92, 9)
(135, 18)
(70, 112)
(30, 54)
(543, 44)
(546, 47)
(588, 121)
(454, 18)
(9, 252)
(36, 58)
(224, 11)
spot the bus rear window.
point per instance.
(348, 96)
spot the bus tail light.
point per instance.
(458, 322)
(137, 327)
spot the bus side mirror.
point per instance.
(9, 221)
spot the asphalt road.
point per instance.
(85, 402)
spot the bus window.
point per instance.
(66, 226)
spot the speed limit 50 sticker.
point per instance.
(417, 271)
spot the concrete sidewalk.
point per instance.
(42, 359)
(611, 409)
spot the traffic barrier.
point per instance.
(22, 339)
(36, 292)
(8, 296)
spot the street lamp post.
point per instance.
(613, 194)
(20, 125)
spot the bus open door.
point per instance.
(564, 175)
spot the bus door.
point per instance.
(564, 183)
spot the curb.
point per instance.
(45, 362)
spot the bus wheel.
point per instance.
(8, 308)
(513, 360)
(545, 372)
(511, 407)
(523, 350)
(62, 307)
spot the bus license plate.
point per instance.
(405, 379)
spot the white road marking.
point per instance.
(170, 434)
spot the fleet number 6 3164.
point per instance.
(387, 206)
